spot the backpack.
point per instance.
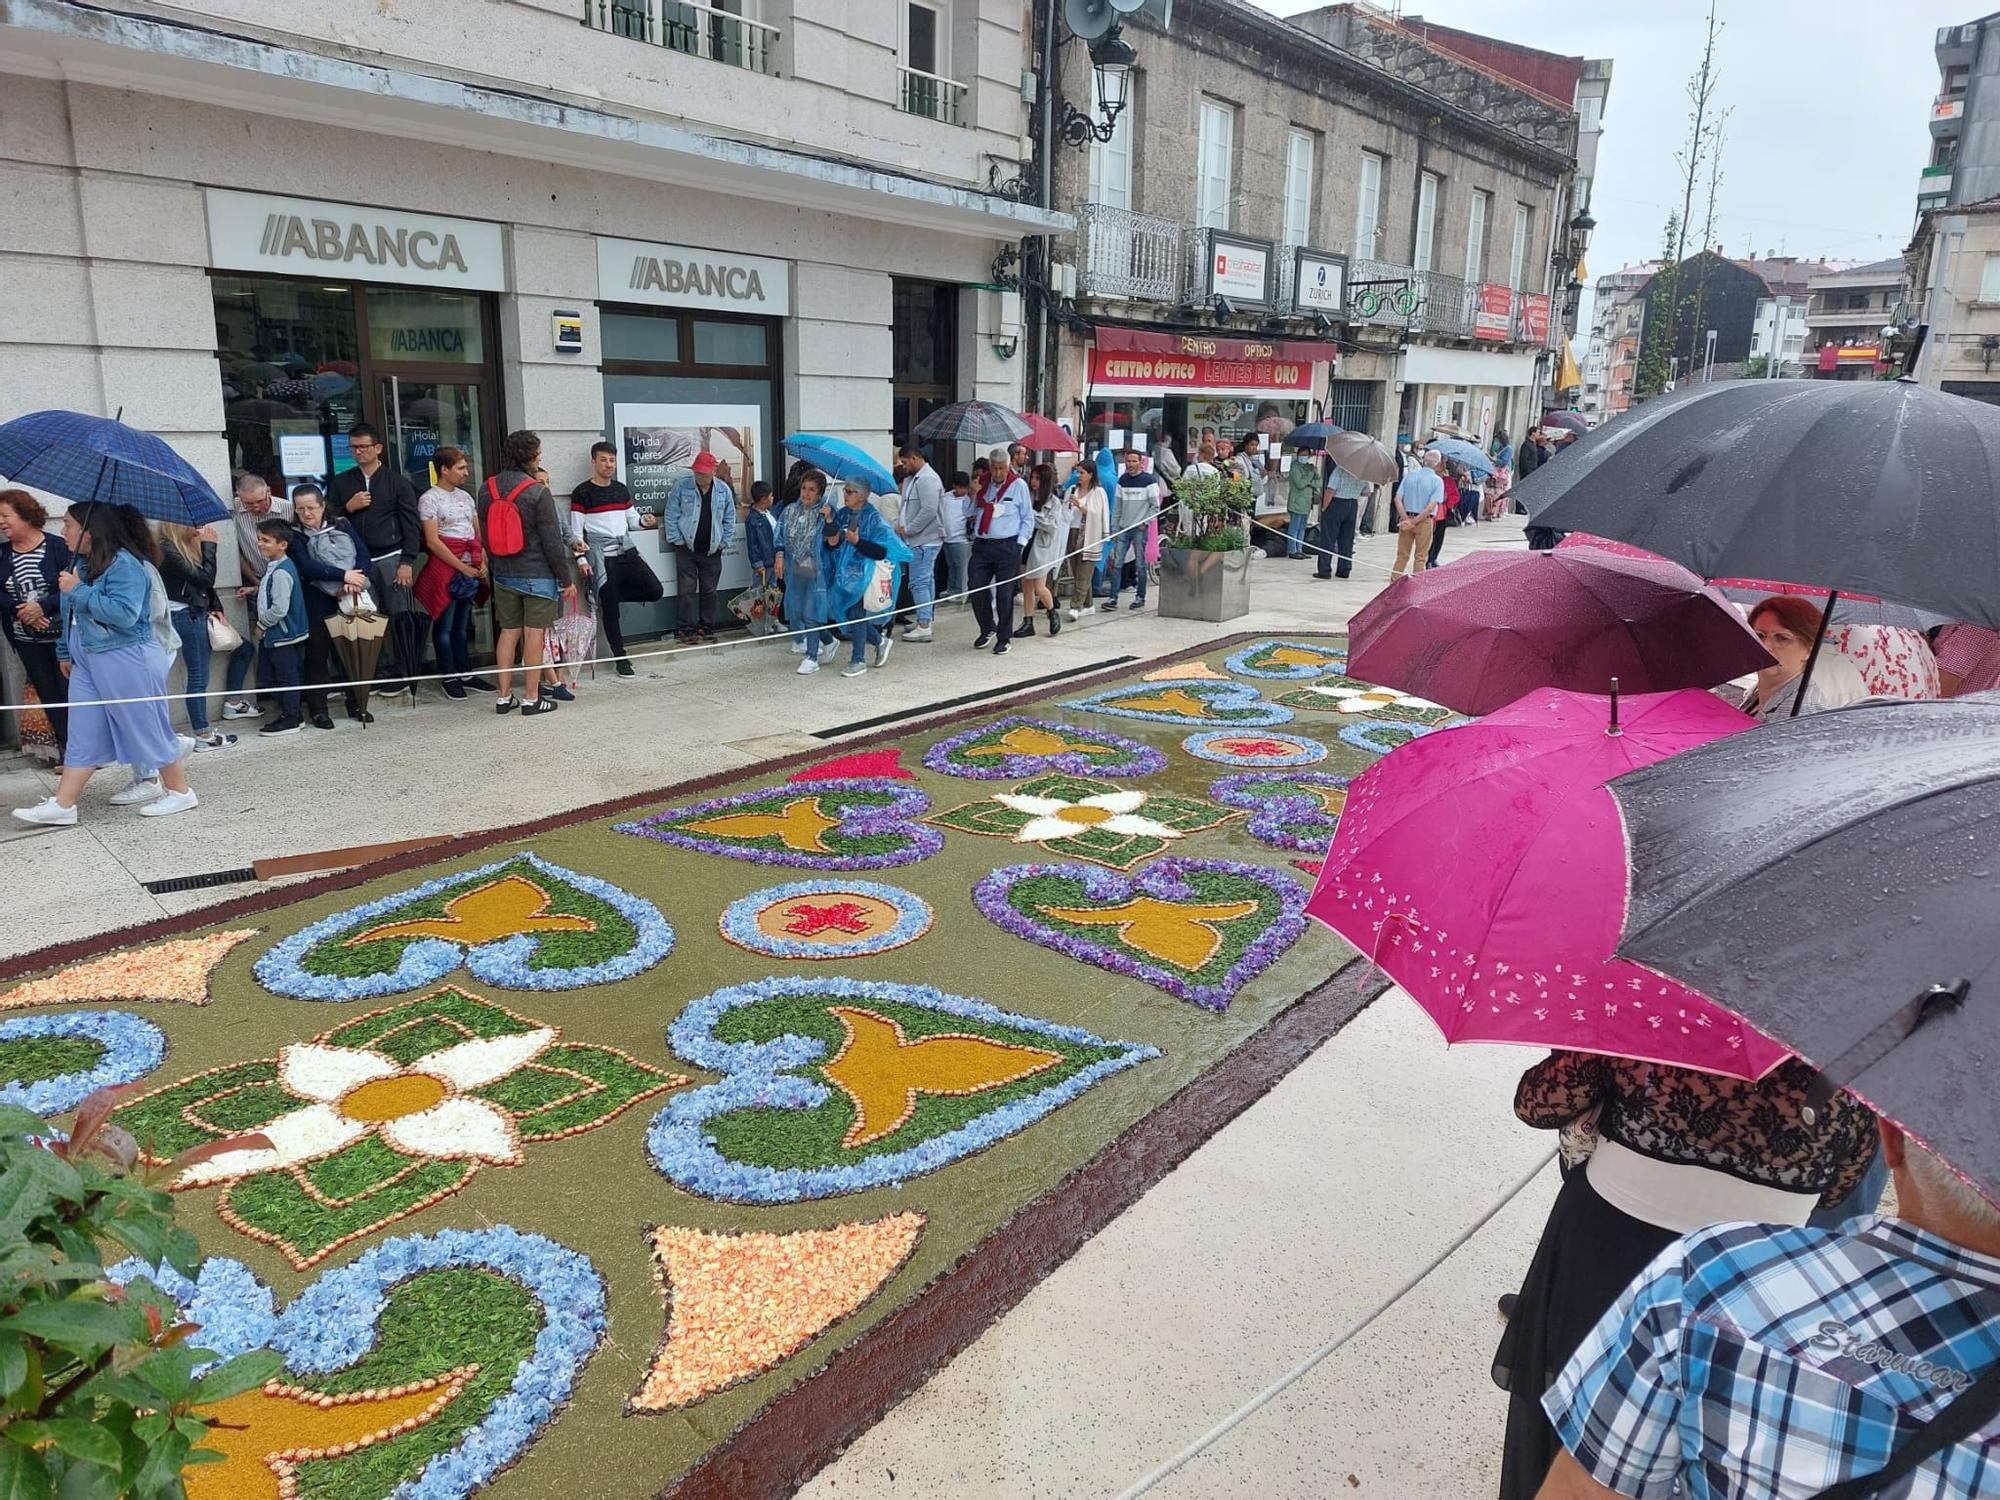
(505, 535)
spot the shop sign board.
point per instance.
(306, 237)
(1319, 283)
(1493, 317)
(1535, 319)
(1130, 359)
(657, 444)
(1239, 268)
(689, 276)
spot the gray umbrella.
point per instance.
(1831, 879)
(972, 422)
(1869, 487)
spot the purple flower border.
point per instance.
(1165, 879)
(1141, 759)
(1276, 819)
(907, 806)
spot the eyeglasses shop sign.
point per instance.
(688, 276)
(351, 242)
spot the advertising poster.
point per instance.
(657, 445)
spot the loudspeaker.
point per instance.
(1090, 19)
(1126, 7)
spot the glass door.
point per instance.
(421, 414)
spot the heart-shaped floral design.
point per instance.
(420, 1370)
(1287, 661)
(1298, 810)
(51, 1064)
(521, 923)
(1198, 702)
(1380, 736)
(836, 1085)
(1197, 928)
(1018, 746)
(867, 823)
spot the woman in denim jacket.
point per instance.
(109, 651)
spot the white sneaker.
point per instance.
(237, 708)
(186, 742)
(216, 741)
(880, 649)
(1072, 612)
(141, 790)
(809, 666)
(168, 803)
(798, 645)
(828, 651)
(921, 634)
(48, 812)
(854, 669)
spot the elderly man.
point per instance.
(1003, 519)
(1414, 510)
(251, 503)
(700, 521)
(1759, 1363)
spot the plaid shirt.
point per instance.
(1751, 1363)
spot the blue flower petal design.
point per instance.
(760, 1077)
(739, 920)
(132, 1049)
(1380, 736)
(1211, 745)
(1239, 662)
(1281, 818)
(503, 962)
(1236, 697)
(334, 1322)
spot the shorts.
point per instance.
(514, 610)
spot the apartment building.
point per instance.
(1330, 214)
(1849, 309)
(1611, 356)
(1954, 265)
(677, 225)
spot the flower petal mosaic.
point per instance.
(1299, 811)
(867, 823)
(1180, 701)
(1019, 745)
(1079, 817)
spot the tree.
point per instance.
(1656, 333)
(1757, 367)
(1670, 312)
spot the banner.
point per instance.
(1135, 359)
(1493, 315)
(1534, 319)
(657, 445)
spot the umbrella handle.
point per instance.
(1805, 677)
(1900, 1025)
(1614, 729)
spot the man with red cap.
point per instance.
(699, 521)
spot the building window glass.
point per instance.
(1298, 187)
(921, 49)
(1475, 236)
(1517, 258)
(1213, 178)
(728, 343)
(1111, 164)
(1368, 206)
(1590, 114)
(427, 326)
(1989, 278)
(1427, 208)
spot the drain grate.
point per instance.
(244, 876)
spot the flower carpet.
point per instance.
(648, 1152)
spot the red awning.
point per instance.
(1213, 346)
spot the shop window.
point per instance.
(426, 327)
(640, 336)
(289, 358)
(717, 343)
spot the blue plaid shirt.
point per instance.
(1770, 1363)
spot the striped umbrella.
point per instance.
(972, 422)
(85, 458)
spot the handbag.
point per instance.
(635, 580)
(362, 603)
(879, 597)
(222, 636)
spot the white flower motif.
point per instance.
(1055, 818)
(1348, 701)
(421, 1110)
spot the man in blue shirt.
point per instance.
(700, 523)
(1339, 507)
(1003, 519)
(1414, 510)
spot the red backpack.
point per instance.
(505, 535)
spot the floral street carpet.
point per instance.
(584, 1145)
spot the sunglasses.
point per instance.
(1777, 638)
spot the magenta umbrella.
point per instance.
(1483, 869)
(1479, 633)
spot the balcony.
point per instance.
(689, 27)
(1934, 180)
(1947, 113)
(1129, 257)
(933, 97)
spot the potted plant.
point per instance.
(1205, 562)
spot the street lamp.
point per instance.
(1569, 255)
(1111, 63)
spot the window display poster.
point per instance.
(657, 444)
(301, 454)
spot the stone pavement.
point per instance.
(1303, 1308)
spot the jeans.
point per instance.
(996, 563)
(237, 674)
(285, 666)
(958, 558)
(1336, 536)
(865, 629)
(1295, 534)
(1437, 543)
(44, 673)
(1413, 547)
(450, 633)
(922, 573)
(608, 602)
(192, 627)
(696, 575)
(1134, 543)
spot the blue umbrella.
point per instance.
(1470, 454)
(84, 458)
(841, 460)
(1310, 435)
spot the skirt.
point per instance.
(1589, 1253)
(136, 734)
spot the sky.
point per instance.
(1828, 128)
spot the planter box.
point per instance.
(1198, 585)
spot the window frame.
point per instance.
(1989, 277)
(1102, 153)
(1423, 247)
(940, 11)
(1212, 108)
(1299, 185)
(1478, 217)
(1368, 204)
(1517, 255)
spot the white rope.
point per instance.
(395, 684)
(1326, 551)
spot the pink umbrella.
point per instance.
(1045, 436)
(1483, 869)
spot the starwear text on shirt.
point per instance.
(1840, 1338)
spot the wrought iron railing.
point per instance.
(1134, 257)
(933, 97)
(1380, 291)
(690, 27)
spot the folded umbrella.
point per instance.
(972, 422)
(841, 460)
(1045, 436)
(1831, 879)
(1483, 869)
(102, 461)
(1470, 454)
(357, 640)
(1873, 487)
(1479, 633)
(1275, 426)
(1363, 457)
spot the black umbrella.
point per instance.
(1869, 487)
(1832, 880)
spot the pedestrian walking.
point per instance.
(955, 507)
(1090, 520)
(700, 524)
(1003, 522)
(36, 560)
(1044, 551)
(860, 558)
(604, 524)
(249, 503)
(802, 531)
(1413, 511)
(1139, 498)
(332, 564)
(922, 528)
(187, 568)
(1787, 626)
(454, 580)
(1456, 478)
(282, 625)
